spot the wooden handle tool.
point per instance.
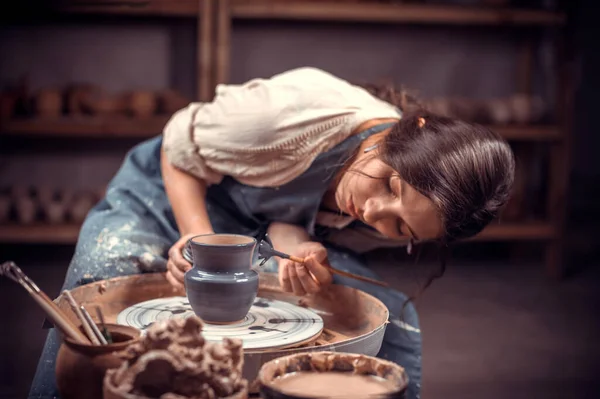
(60, 320)
(266, 251)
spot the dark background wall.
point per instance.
(483, 310)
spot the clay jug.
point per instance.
(80, 368)
(221, 286)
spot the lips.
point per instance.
(352, 209)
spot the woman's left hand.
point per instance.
(308, 277)
(177, 265)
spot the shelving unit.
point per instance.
(127, 127)
(39, 233)
(395, 13)
(108, 127)
(154, 8)
(215, 23)
(85, 127)
(199, 10)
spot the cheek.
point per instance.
(432, 222)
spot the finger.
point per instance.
(320, 254)
(178, 260)
(175, 272)
(306, 280)
(176, 284)
(317, 269)
(284, 276)
(297, 287)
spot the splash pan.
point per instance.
(352, 320)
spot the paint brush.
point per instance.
(58, 318)
(84, 323)
(105, 331)
(93, 325)
(266, 251)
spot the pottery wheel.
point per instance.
(270, 324)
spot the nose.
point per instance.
(375, 209)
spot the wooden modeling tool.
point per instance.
(60, 320)
(84, 323)
(93, 325)
(105, 331)
(266, 251)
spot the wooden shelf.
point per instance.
(394, 13)
(360, 11)
(143, 128)
(68, 233)
(158, 8)
(39, 234)
(528, 133)
(85, 127)
(516, 232)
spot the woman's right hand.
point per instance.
(309, 277)
(177, 265)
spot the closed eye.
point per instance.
(399, 227)
(390, 187)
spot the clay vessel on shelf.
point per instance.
(80, 368)
(49, 103)
(5, 206)
(142, 104)
(221, 286)
(26, 210)
(171, 101)
(76, 95)
(81, 205)
(8, 104)
(55, 211)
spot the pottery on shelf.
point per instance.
(142, 104)
(171, 101)
(80, 368)
(221, 286)
(26, 210)
(49, 103)
(5, 206)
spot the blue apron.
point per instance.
(131, 230)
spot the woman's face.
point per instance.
(387, 203)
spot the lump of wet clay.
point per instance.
(174, 361)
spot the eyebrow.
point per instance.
(402, 191)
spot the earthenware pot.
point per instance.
(80, 368)
(221, 286)
(331, 375)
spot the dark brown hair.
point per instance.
(466, 169)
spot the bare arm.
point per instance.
(286, 237)
(187, 195)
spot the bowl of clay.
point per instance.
(331, 375)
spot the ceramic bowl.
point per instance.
(331, 375)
